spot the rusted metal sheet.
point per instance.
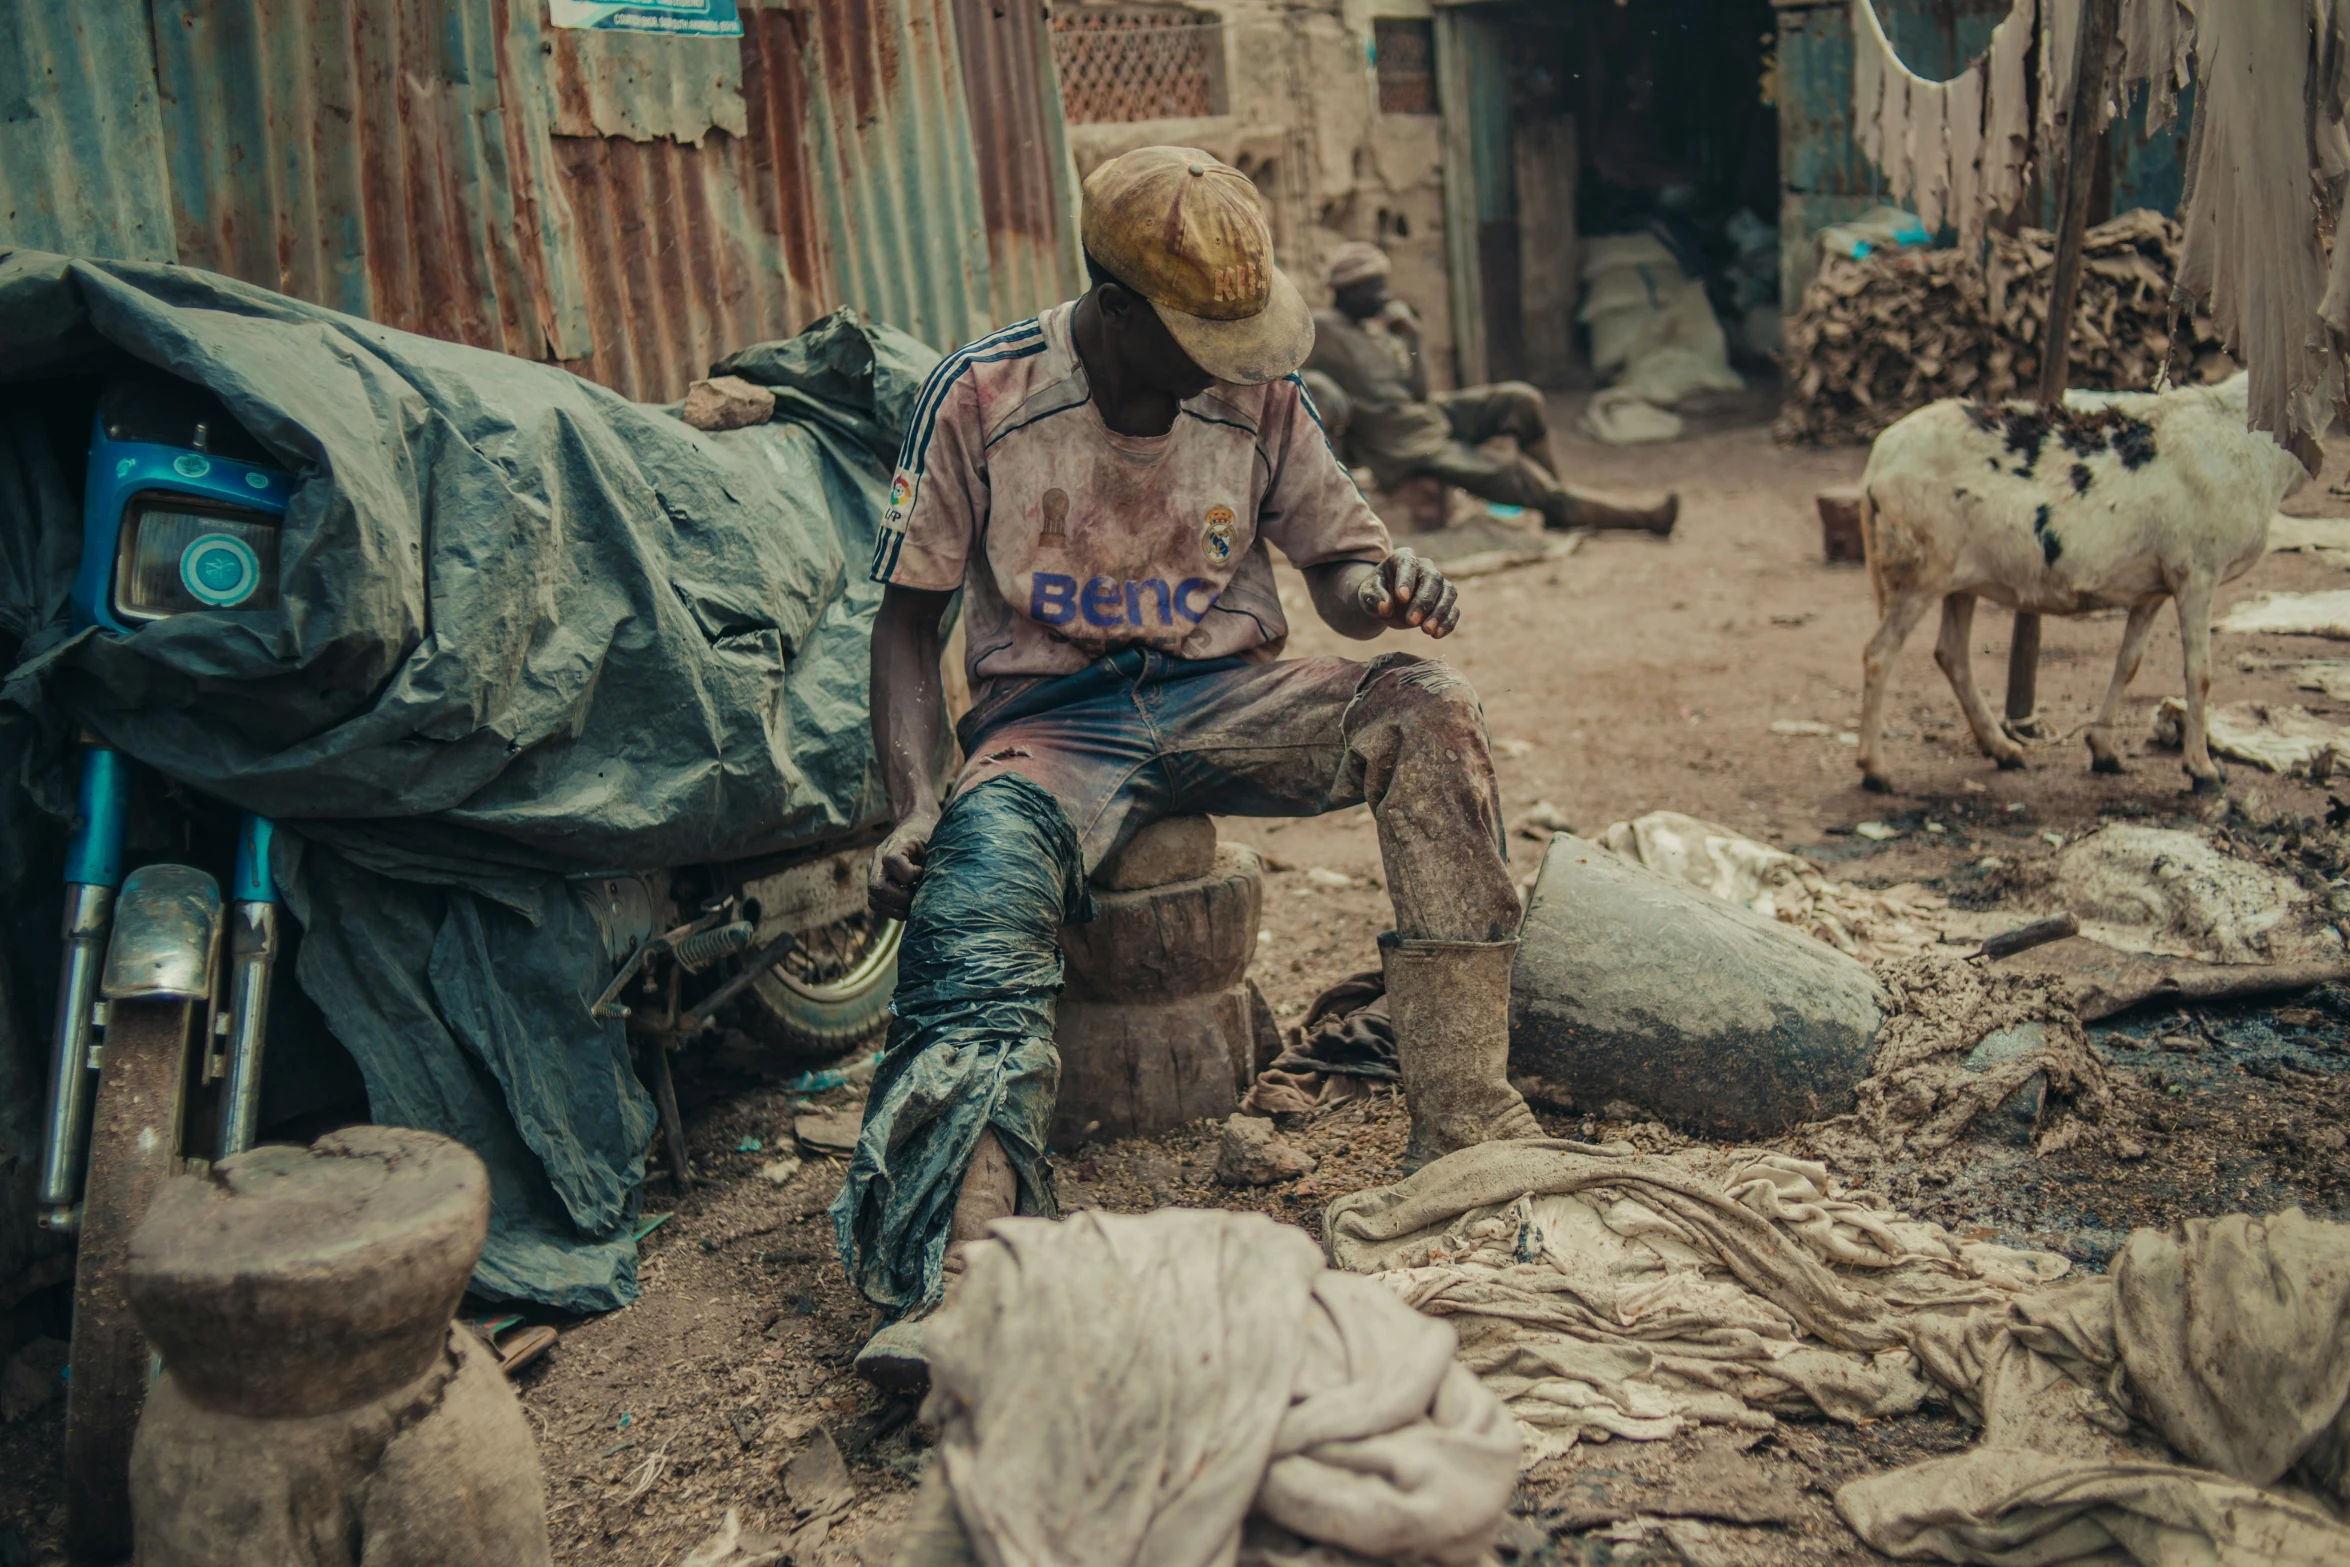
(630, 207)
(1020, 136)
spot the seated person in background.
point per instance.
(1369, 346)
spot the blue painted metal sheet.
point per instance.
(81, 142)
(632, 208)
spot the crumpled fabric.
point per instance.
(1345, 1044)
(2020, 1508)
(2226, 1346)
(1115, 1389)
(1599, 1292)
(1860, 922)
(970, 1037)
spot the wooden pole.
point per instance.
(2084, 123)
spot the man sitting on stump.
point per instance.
(1102, 483)
(1369, 345)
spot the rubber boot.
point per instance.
(892, 1358)
(1582, 509)
(1450, 1003)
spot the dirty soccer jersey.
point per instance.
(1072, 540)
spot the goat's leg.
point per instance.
(1901, 618)
(1951, 652)
(2193, 599)
(2103, 758)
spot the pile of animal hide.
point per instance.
(1601, 1293)
(2264, 183)
(2188, 1406)
(1860, 922)
(1885, 334)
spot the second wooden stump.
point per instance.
(1157, 1025)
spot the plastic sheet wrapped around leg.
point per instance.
(971, 1039)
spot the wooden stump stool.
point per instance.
(1156, 1025)
(318, 1404)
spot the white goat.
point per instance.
(2120, 502)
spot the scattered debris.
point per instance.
(731, 1547)
(816, 1482)
(1959, 1041)
(779, 1172)
(1254, 1154)
(1323, 876)
(727, 402)
(1801, 726)
(1484, 563)
(1542, 820)
(1877, 832)
(2282, 737)
(829, 1131)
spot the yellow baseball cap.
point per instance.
(1188, 233)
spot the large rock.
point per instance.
(1632, 987)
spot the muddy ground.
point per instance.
(1631, 676)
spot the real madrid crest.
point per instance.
(1216, 535)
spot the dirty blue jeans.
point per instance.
(1060, 773)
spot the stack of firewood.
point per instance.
(1894, 330)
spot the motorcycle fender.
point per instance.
(166, 946)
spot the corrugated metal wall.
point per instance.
(632, 207)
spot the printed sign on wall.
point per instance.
(694, 18)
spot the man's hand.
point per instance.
(1407, 591)
(897, 866)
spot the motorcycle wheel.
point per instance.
(830, 996)
(135, 1132)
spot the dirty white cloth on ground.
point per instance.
(2290, 615)
(2283, 737)
(2165, 891)
(1599, 1292)
(1114, 1389)
(1654, 331)
(2230, 1343)
(1860, 922)
(2326, 537)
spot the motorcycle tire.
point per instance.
(135, 1144)
(829, 997)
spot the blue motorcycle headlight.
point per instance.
(177, 555)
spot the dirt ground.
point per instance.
(1631, 676)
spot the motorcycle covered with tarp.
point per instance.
(397, 730)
